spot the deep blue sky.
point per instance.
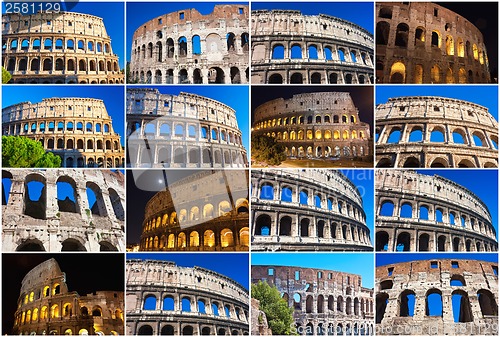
(233, 265)
(234, 96)
(111, 95)
(363, 179)
(385, 258)
(360, 13)
(113, 15)
(355, 263)
(486, 96)
(139, 12)
(487, 192)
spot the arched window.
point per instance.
(433, 303)
(149, 302)
(387, 208)
(278, 52)
(296, 52)
(407, 303)
(267, 192)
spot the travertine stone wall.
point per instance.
(187, 47)
(217, 304)
(332, 219)
(60, 47)
(318, 49)
(48, 224)
(444, 215)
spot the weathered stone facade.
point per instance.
(185, 130)
(49, 224)
(422, 42)
(206, 211)
(259, 324)
(79, 130)
(471, 284)
(315, 125)
(186, 301)
(331, 50)
(59, 47)
(47, 307)
(475, 129)
(325, 302)
(305, 210)
(444, 215)
(187, 47)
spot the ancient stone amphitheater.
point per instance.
(325, 302)
(187, 47)
(59, 47)
(79, 130)
(185, 130)
(62, 210)
(310, 209)
(290, 47)
(47, 307)
(206, 211)
(166, 299)
(437, 297)
(421, 42)
(315, 125)
(429, 131)
(417, 212)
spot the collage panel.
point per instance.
(187, 210)
(200, 293)
(328, 294)
(188, 42)
(54, 294)
(72, 127)
(63, 42)
(432, 294)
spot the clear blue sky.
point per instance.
(112, 13)
(233, 265)
(355, 263)
(111, 95)
(234, 96)
(363, 179)
(360, 12)
(140, 12)
(488, 192)
(486, 96)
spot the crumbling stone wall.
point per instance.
(259, 323)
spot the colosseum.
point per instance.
(60, 47)
(325, 302)
(422, 42)
(418, 212)
(290, 47)
(437, 297)
(429, 131)
(63, 210)
(186, 47)
(78, 130)
(166, 299)
(47, 307)
(303, 210)
(320, 125)
(185, 130)
(213, 218)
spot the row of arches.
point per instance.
(56, 79)
(81, 144)
(319, 134)
(433, 161)
(67, 245)
(187, 329)
(325, 152)
(338, 329)
(28, 44)
(192, 76)
(350, 306)
(63, 64)
(38, 126)
(309, 119)
(315, 77)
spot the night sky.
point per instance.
(85, 273)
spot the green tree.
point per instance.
(25, 152)
(279, 315)
(6, 76)
(266, 149)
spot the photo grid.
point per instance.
(249, 168)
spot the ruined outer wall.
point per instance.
(57, 57)
(419, 278)
(324, 124)
(162, 279)
(472, 229)
(79, 130)
(428, 114)
(338, 223)
(209, 135)
(455, 54)
(328, 298)
(288, 28)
